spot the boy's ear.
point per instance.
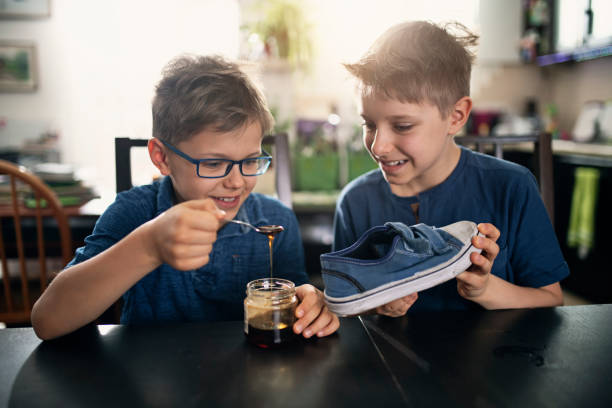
(460, 114)
(158, 156)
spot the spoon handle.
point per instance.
(243, 223)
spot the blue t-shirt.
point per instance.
(215, 291)
(481, 188)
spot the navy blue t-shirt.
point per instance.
(481, 189)
(215, 291)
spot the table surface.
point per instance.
(540, 357)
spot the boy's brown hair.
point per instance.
(419, 62)
(199, 92)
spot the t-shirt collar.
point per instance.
(165, 195)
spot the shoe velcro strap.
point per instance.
(420, 235)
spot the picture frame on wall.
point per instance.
(24, 9)
(18, 67)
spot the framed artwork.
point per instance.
(24, 9)
(18, 67)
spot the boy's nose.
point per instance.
(234, 179)
(382, 143)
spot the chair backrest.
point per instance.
(123, 162)
(543, 159)
(281, 164)
(21, 290)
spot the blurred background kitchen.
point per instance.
(76, 74)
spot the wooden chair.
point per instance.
(281, 163)
(16, 305)
(123, 162)
(543, 159)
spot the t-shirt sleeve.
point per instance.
(344, 226)
(535, 256)
(118, 220)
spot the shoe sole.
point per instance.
(381, 295)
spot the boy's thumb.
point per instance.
(207, 204)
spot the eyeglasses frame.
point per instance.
(230, 162)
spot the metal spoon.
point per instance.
(263, 229)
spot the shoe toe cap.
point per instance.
(462, 230)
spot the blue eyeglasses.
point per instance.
(217, 168)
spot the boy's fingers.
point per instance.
(194, 251)
(489, 248)
(202, 238)
(322, 320)
(308, 296)
(330, 328)
(308, 317)
(480, 264)
(489, 230)
(470, 279)
(203, 220)
(309, 308)
(206, 204)
(398, 307)
(190, 263)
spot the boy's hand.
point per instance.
(183, 236)
(314, 318)
(398, 307)
(474, 281)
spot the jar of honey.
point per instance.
(269, 312)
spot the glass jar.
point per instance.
(269, 312)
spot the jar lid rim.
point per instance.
(271, 287)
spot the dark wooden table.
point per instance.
(549, 357)
(556, 357)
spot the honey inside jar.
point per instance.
(269, 312)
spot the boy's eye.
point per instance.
(403, 127)
(250, 163)
(212, 164)
(369, 126)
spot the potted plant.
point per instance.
(284, 30)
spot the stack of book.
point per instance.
(60, 178)
(6, 198)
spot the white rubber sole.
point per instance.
(368, 300)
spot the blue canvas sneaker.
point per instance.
(392, 261)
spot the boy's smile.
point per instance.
(411, 142)
(227, 192)
(227, 203)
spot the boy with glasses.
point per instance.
(167, 247)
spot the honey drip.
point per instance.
(270, 231)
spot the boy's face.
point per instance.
(410, 142)
(227, 192)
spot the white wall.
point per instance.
(99, 62)
(344, 29)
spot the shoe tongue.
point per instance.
(420, 237)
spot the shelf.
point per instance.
(567, 147)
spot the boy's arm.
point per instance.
(479, 285)
(181, 237)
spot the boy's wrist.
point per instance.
(145, 242)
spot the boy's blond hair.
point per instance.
(419, 62)
(206, 92)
